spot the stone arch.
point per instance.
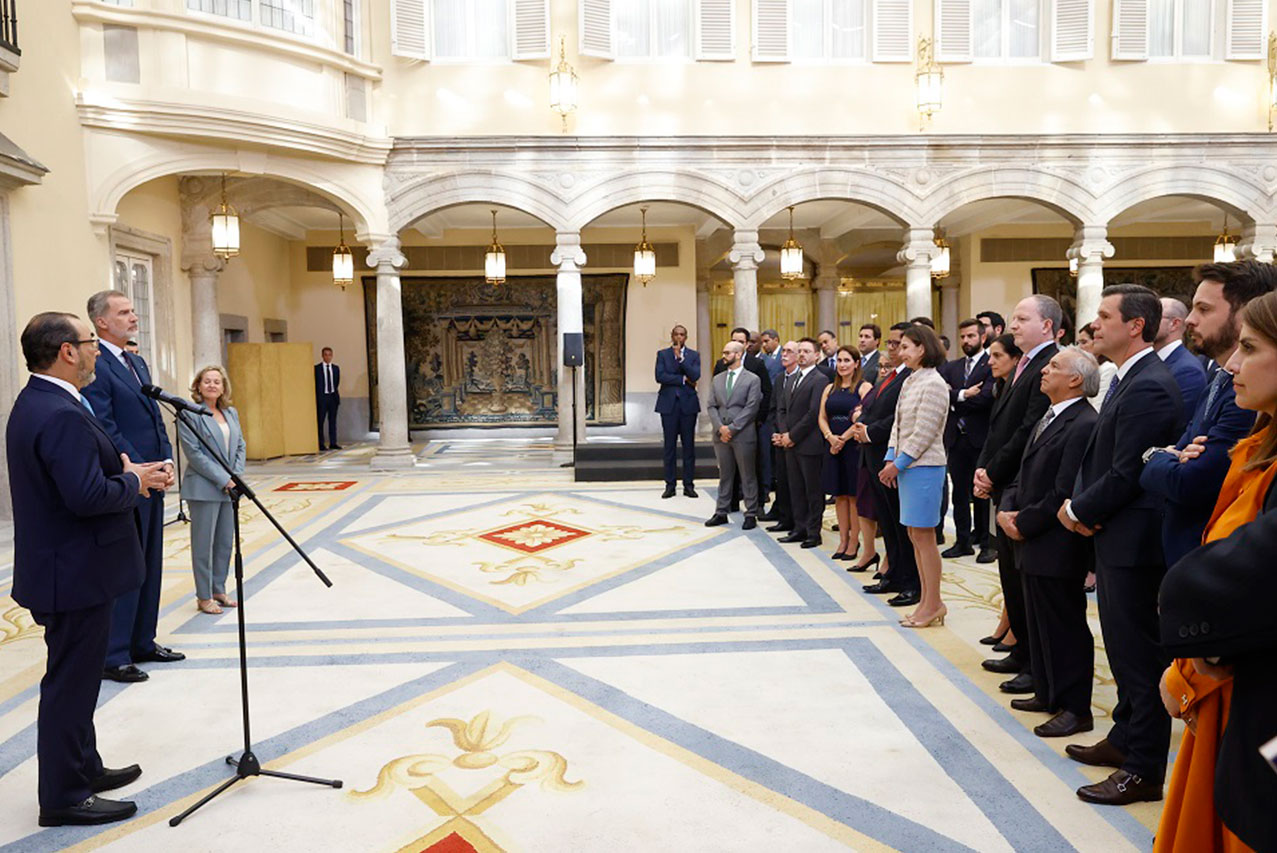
(691, 188)
(423, 196)
(1062, 193)
(1226, 188)
(859, 186)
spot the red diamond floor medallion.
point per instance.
(534, 535)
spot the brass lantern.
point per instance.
(563, 86)
(929, 81)
(225, 226)
(644, 255)
(343, 258)
(494, 259)
(791, 254)
(941, 260)
(1225, 245)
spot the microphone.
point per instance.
(155, 392)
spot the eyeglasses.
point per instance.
(93, 341)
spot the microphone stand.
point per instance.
(177, 466)
(247, 764)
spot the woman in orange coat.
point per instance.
(1192, 690)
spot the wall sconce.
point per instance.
(563, 86)
(1272, 77)
(343, 258)
(929, 80)
(225, 224)
(791, 254)
(644, 255)
(494, 259)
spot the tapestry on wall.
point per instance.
(479, 354)
(1166, 281)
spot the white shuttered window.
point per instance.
(828, 29)
(652, 28)
(771, 30)
(892, 26)
(460, 30)
(1072, 29)
(1185, 29)
(715, 29)
(988, 30)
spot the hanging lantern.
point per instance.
(940, 261)
(225, 226)
(563, 86)
(791, 254)
(928, 80)
(343, 258)
(494, 259)
(644, 255)
(1225, 246)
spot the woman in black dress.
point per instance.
(841, 468)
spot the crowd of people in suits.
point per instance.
(1139, 459)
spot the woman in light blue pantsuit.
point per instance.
(205, 484)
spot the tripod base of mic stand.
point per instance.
(246, 766)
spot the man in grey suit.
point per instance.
(734, 398)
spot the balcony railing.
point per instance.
(9, 26)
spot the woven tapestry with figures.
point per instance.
(480, 354)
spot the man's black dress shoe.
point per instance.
(791, 537)
(716, 520)
(334, 447)
(770, 515)
(126, 674)
(1121, 789)
(323, 449)
(91, 811)
(1064, 724)
(957, 551)
(112, 779)
(877, 588)
(1022, 683)
(1004, 665)
(750, 523)
(905, 599)
(779, 528)
(811, 543)
(1102, 754)
(987, 555)
(160, 655)
(668, 493)
(689, 492)
(1033, 703)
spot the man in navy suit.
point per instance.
(1187, 483)
(133, 421)
(677, 371)
(1189, 373)
(75, 551)
(327, 397)
(970, 401)
(1142, 409)
(868, 341)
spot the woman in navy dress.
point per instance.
(842, 464)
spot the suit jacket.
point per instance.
(132, 420)
(1182, 486)
(205, 477)
(75, 523)
(974, 412)
(828, 365)
(780, 405)
(869, 366)
(1145, 411)
(1014, 414)
(758, 367)
(675, 395)
(803, 412)
(319, 380)
(1217, 602)
(737, 411)
(1047, 473)
(772, 362)
(1189, 375)
(878, 414)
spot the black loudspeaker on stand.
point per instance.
(573, 357)
(247, 764)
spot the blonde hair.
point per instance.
(222, 401)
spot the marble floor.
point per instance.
(508, 660)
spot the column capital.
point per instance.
(746, 253)
(919, 247)
(202, 263)
(1090, 244)
(567, 250)
(385, 256)
(1258, 242)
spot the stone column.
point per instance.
(704, 340)
(393, 449)
(745, 256)
(915, 254)
(206, 320)
(826, 287)
(1258, 242)
(1090, 247)
(569, 257)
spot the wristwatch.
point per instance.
(1151, 452)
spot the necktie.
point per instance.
(328, 379)
(1019, 368)
(731, 380)
(124, 357)
(1111, 391)
(1217, 382)
(966, 371)
(84, 401)
(1042, 425)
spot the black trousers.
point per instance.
(1060, 642)
(1128, 620)
(326, 407)
(805, 493)
(137, 612)
(962, 459)
(783, 508)
(679, 427)
(1013, 595)
(902, 564)
(66, 744)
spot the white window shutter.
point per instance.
(716, 29)
(1072, 30)
(1246, 28)
(771, 30)
(892, 30)
(596, 29)
(1130, 29)
(530, 29)
(409, 29)
(953, 30)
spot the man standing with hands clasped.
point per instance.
(76, 550)
(327, 397)
(678, 369)
(734, 398)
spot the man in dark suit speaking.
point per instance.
(327, 397)
(76, 549)
(678, 369)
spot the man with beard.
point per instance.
(992, 324)
(1213, 327)
(755, 365)
(970, 401)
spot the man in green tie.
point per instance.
(734, 400)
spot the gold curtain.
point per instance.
(788, 312)
(722, 308)
(883, 307)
